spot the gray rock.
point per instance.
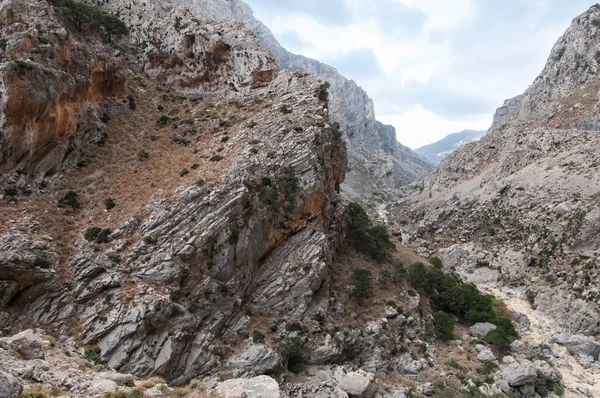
(9, 386)
(254, 361)
(519, 374)
(27, 344)
(409, 366)
(98, 388)
(578, 345)
(480, 330)
(257, 387)
(426, 389)
(359, 384)
(486, 356)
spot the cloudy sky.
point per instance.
(433, 67)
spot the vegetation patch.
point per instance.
(372, 241)
(71, 199)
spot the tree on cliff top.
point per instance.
(81, 13)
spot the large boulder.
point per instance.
(254, 361)
(9, 386)
(27, 344)
(101, 387)
(480, 330)
(519, 374)
(359, 384)
(257, 387)
(408, 366)
(581, 346)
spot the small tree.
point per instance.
(417, 275)
(362, 283)
(444, 325)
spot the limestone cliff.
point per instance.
(376, 160)
(519, 209)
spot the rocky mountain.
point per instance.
(376, 160)
(173, 226)
(518, 210)
(439, 150)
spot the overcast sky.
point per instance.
(433, 67)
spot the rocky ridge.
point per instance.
(519, 209)
(376, 160)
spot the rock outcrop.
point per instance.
(376, 160)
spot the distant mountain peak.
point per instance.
(439, 150)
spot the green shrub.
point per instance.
(71, 199)
(184, 172)
(109, 204)
(444, 325)
(216, 158)
(362, 282)
(336, 131)
(92, 356)
(143, 155)
(498, 338)
(285, 110)
(324, 91)
(97, 235)
(128, 382)
(417, 275)
(131, 101)
(177, 23)
(258, 337)
(10, 192)
(200, 182)
(137, 393)
(225, 138)
(435, 261)
(41, 262)
(291, 352)
(373, 241)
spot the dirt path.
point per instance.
(541, 330)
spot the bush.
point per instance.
(92, 356)
(417, 275)
(362, 283)
(131, 101)
(216, 158)
(372, 241)
(436, 262)
(324, 92)
(128, 382)
(70, 199)
(258, 337)
(292, 354)
(184, 172)
(143, 155)
(498, 338)
(444, 325)
(285, 110)
(137, 393)
(97, 235)
(41, 262)
(109, 204)
(10, 192)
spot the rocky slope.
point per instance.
(376, 160)
(520, 207)
(440, 150)
(171, 209)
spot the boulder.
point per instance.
(426, 389)
(100, 387)
(522, 321)
(486, 356)
(480, 330)
(27, 344)
(257, 387)
(582, 346)
(408, 366)
(517, 375)
(254, 361)
(9, 386)
(359, 384)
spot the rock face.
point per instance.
(376, 160)
(256, 232)
(256, 360)
(520, 207)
